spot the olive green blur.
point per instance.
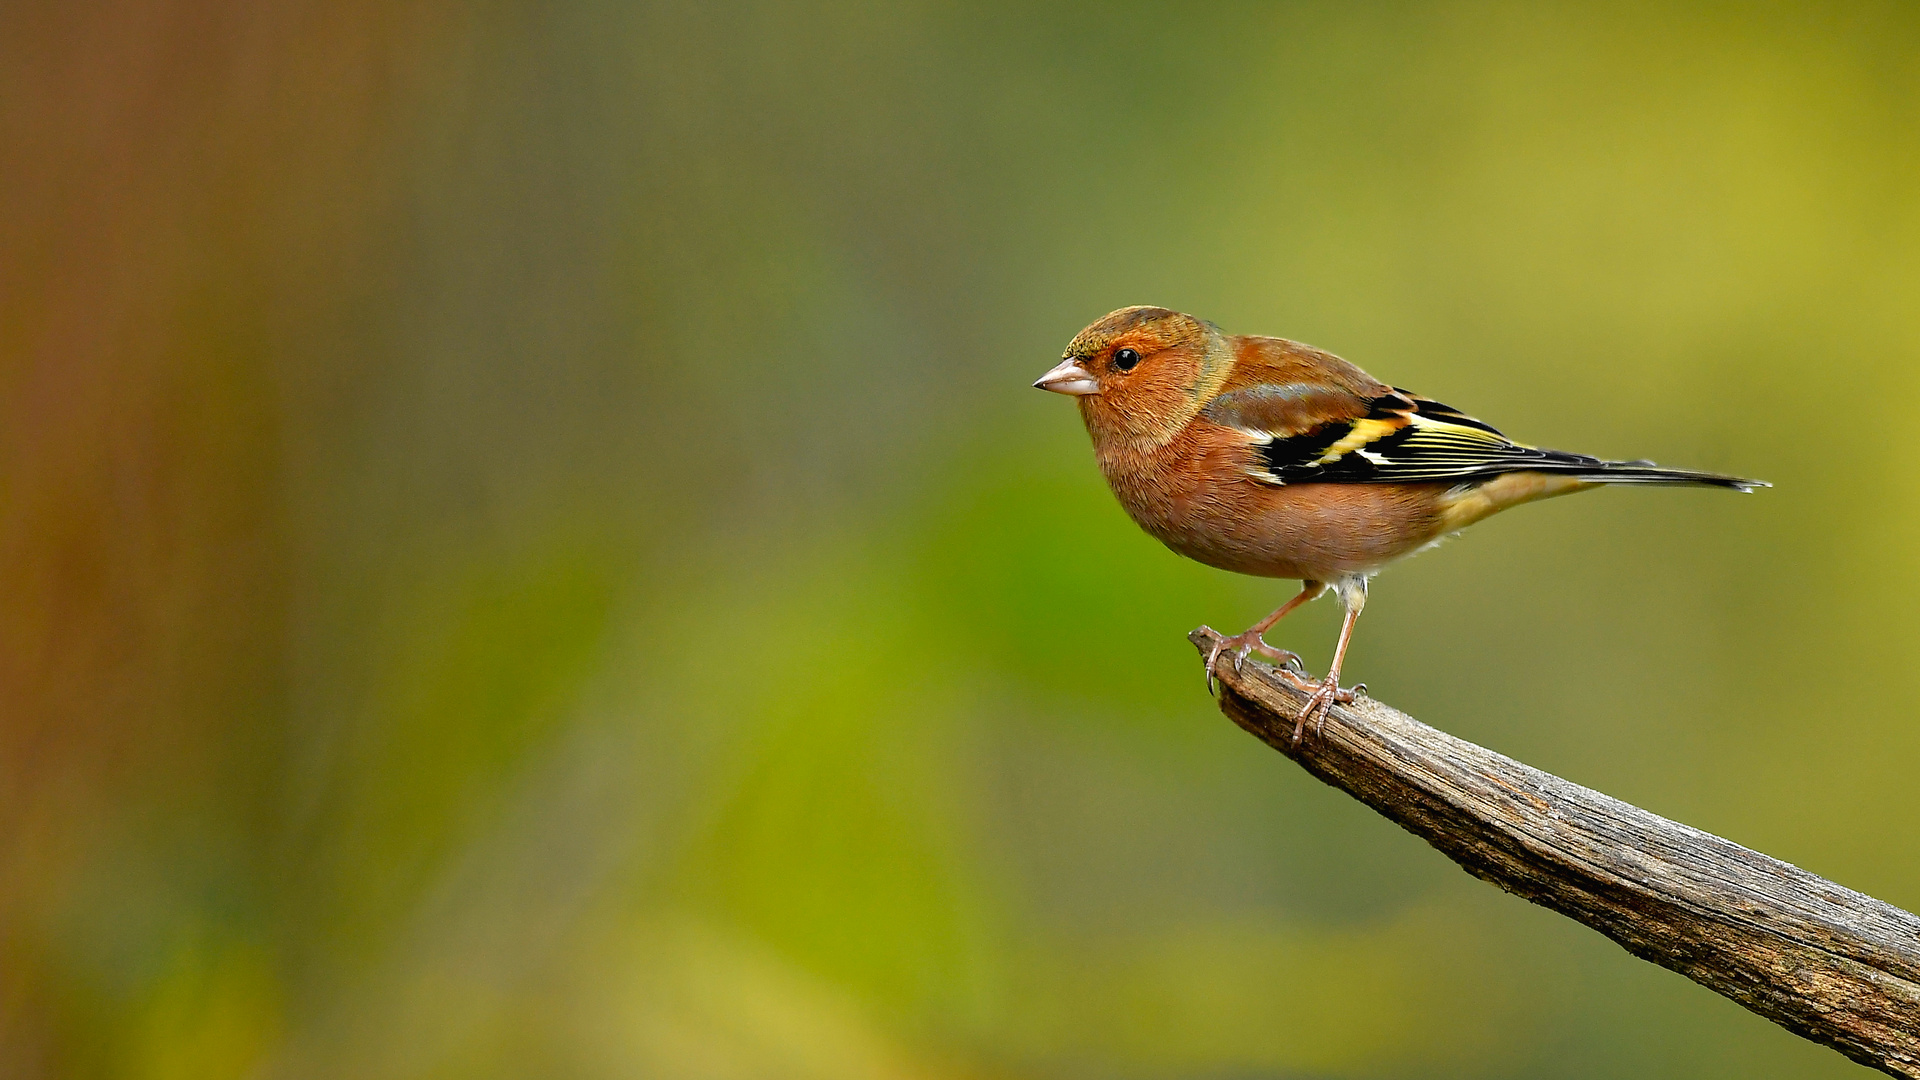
(527, 548)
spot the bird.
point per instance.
(1268, 457)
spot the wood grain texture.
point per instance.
(1836, 966)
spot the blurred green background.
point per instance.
(527, 549)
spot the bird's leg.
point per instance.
(1353, 596)
(1250, 641)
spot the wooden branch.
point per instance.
(1820, 960)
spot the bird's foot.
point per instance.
(1324, 695)
(1239, 645)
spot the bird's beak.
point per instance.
(1068, 378)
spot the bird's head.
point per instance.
(1142, 372)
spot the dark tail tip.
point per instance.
(1646, 472)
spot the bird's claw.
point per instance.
(1240, 645)
(1324, 696)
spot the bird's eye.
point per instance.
(1124, 359)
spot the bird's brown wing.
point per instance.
(1286, 410)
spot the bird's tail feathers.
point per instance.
(1646, 472)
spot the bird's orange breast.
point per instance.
(1194, 494)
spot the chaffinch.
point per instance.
(1265, 456)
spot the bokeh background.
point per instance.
(527, 549)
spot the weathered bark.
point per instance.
(1820, 960)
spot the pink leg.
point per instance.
(1354, 597)
(1250, 640)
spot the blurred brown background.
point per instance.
(526, 548)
